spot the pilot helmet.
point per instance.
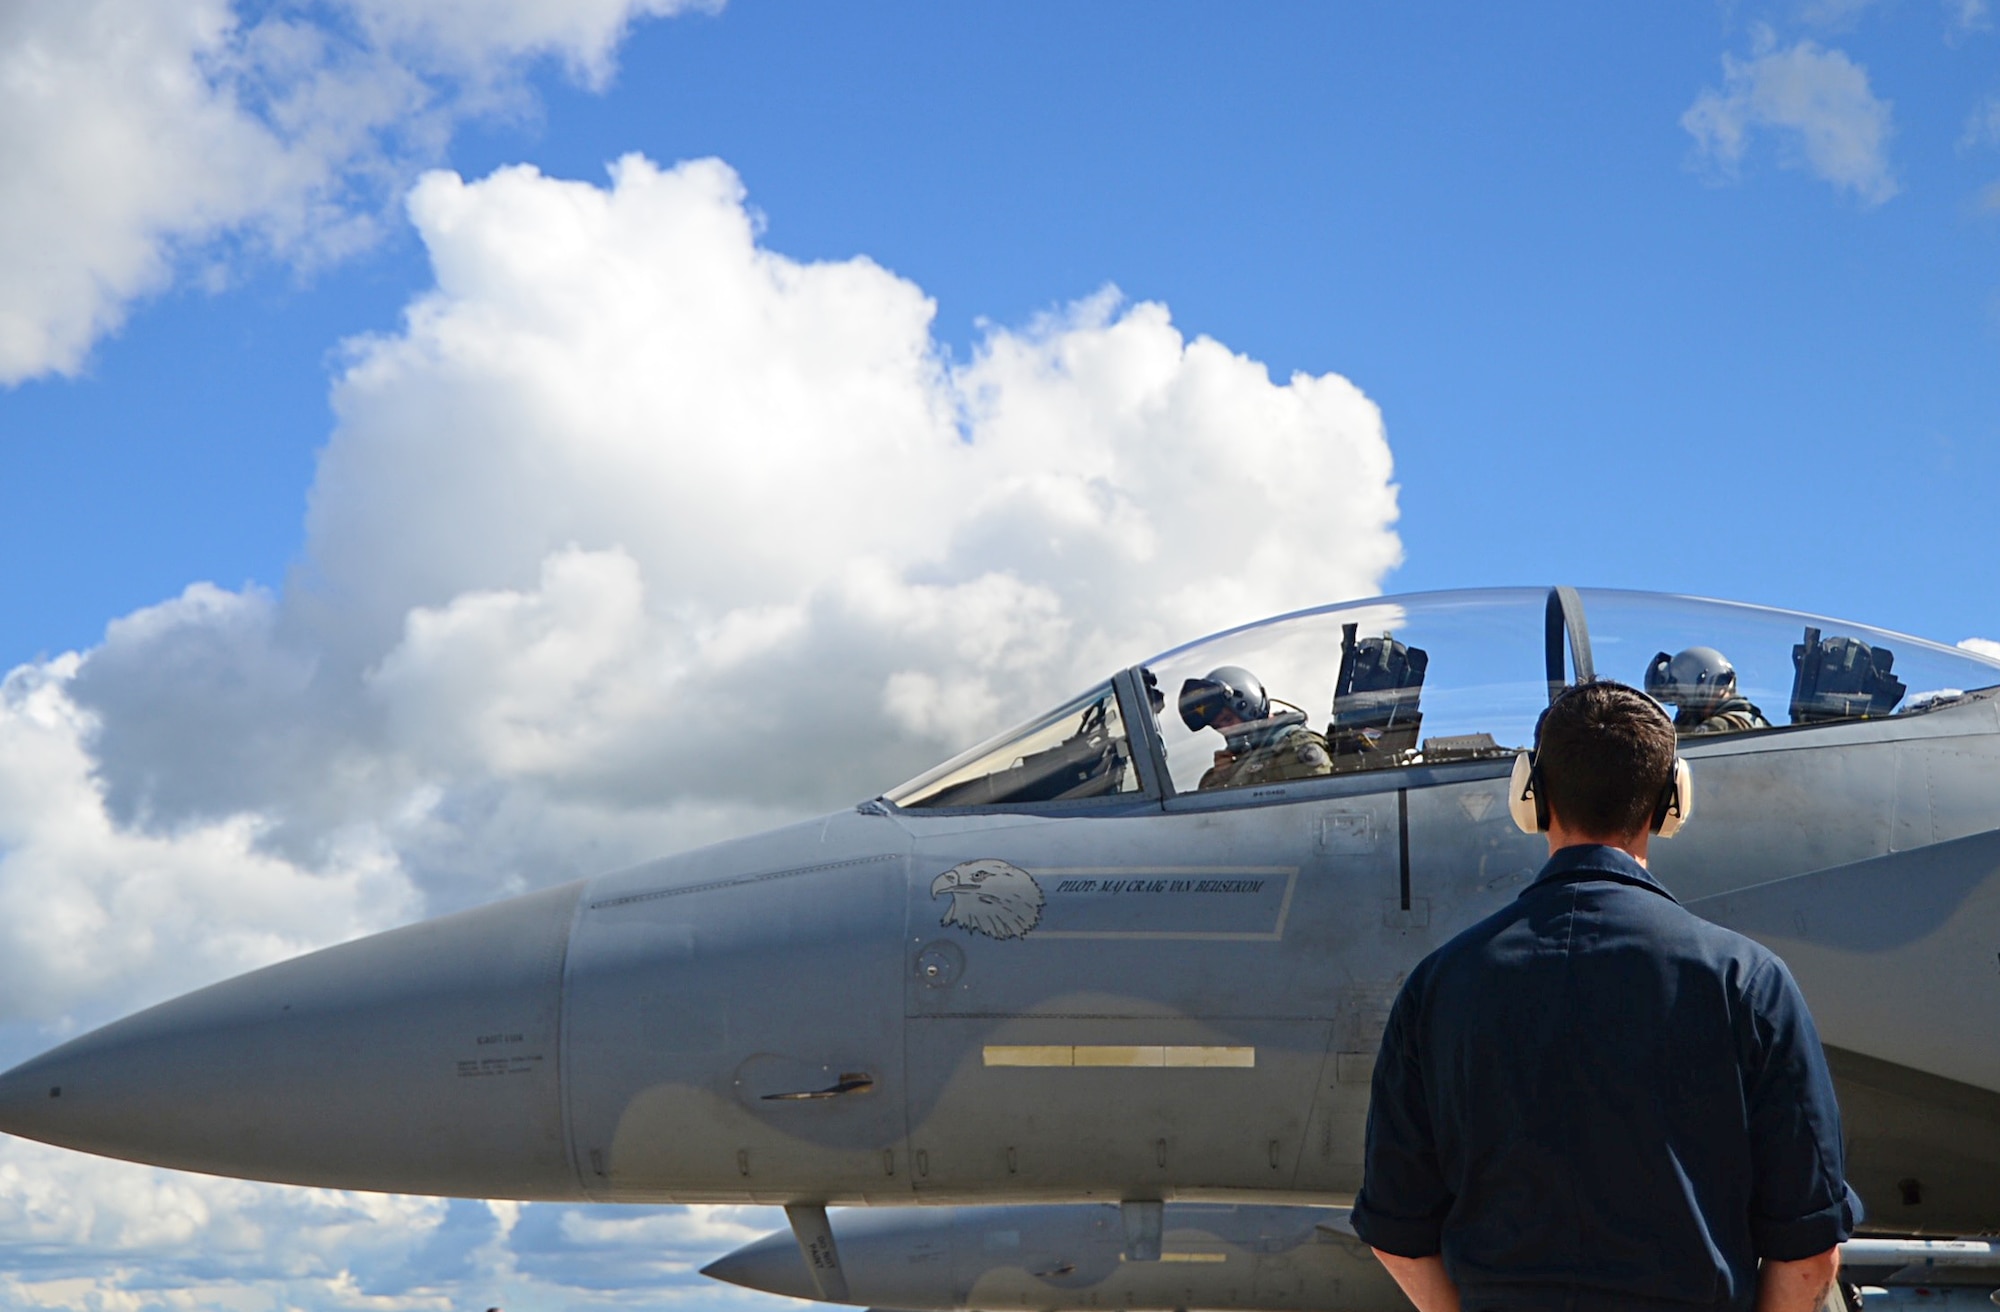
(1226, 688)
(1698, 679)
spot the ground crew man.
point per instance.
(1593, 1100)
(1702, 684)
(1258, 747)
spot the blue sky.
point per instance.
(1679, 297)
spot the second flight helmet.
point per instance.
(1698, 679)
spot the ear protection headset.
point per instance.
(1531, 813)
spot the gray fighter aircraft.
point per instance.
(1139, 950)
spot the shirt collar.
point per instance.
(1597, 861)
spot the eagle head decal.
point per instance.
(990, 897)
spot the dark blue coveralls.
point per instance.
(1594, 1099)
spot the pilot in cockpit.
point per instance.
(1700, 684)
(1258, 746)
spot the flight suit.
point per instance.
(1731, 715)
(1293, 752)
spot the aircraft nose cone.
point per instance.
(421, 1060)
(772, 1264)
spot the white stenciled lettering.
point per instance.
(519, 1064)
(1159, 886)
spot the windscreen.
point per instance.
(1077, 751)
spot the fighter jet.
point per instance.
(1138, 950)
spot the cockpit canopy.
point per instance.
(1436, 678)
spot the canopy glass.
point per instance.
(1433, 678)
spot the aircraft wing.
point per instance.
(1896, 954)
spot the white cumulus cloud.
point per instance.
(1816, 102)
(141, 133)
(627, 476)
(1982, 647)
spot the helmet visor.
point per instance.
(1202, 700)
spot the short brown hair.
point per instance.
(1605, 755)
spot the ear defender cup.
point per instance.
(1676, 803)
(1522, 804)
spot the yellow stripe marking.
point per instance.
(1186, 1257)
(1180, 1057)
